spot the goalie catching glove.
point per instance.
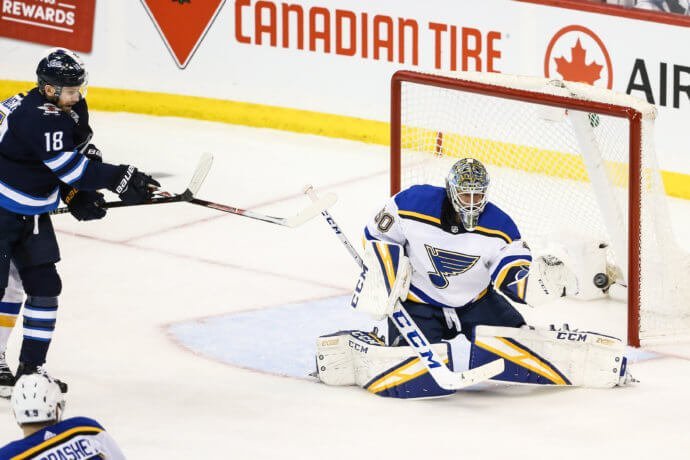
(384, 280)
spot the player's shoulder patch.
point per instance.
(421, 202)
(495, 222)
(13, 102)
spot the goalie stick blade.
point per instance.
(200, 173)
(317, 207)
(450, 380)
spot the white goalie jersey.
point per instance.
(452, 267)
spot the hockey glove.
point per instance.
(134, 186)
(93, 153)
(85, 204)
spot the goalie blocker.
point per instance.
(532, 356)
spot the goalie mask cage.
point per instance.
(565, 160)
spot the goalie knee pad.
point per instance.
(552, 357)
(362, 359)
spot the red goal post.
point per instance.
(578, 156)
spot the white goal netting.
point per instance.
(559, 172)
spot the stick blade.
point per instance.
(474, 376)
(200, 173)
(321, 204)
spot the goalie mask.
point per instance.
(466, 186)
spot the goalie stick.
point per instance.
(444, 377)
(200, 174)
(306, 214)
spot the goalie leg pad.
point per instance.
(361, 358)
(552, 357)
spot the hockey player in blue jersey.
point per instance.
(459, 266)
(45, 155)
(38, 405)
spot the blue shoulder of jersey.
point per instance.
(495, 221)
(84, 424)
(76, 422)
(35, 111)
(421, 199)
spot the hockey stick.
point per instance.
(200, 173)
(319, 205)
(444, 377)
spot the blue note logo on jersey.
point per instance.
(447, 263)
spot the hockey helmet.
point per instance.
(61, 67)
(37, 398)
(466, 186)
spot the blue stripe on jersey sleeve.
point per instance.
(59, 160)
(76, 172)
(422, 199)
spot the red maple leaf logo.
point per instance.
(577, 69)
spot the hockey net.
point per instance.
(565, 160)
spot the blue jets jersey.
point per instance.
(452, 267)
(77, 438)
(38, 154)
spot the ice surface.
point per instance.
(134, 280)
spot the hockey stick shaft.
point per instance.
(402, 320)
(200, 173)
(303, 216)
(184, 196)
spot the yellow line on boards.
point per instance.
(239, 113)
(299, 121)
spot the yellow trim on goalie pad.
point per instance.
(520, 356)
(398, 376)
(7, 320)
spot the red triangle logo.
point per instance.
(182, 24)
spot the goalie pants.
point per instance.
(491, 310)
(30, 243)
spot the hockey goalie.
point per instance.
(457, 264)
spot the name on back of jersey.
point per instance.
(77, 448)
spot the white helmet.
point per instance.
(37, 398)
